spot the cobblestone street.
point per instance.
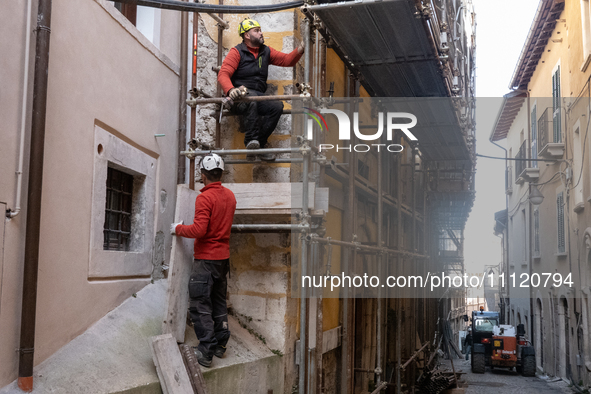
(504, 381)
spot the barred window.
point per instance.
(117, 228)
(560, 222)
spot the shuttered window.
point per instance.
(556, 116)
(536, 233)
(534, 138)
(560, 222)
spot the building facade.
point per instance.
(544, 122)
(112, 114)
(114, 129)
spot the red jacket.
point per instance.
(214, 212)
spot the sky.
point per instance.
(501, 30)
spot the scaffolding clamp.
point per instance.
(305, 89)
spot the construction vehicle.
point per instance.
(511, 349)
(500, 346)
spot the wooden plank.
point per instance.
(194, 369)
(321, 199)
(270, 195)
(181, 260)
(331, 339)
(172, 373)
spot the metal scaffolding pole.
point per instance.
(218, 92)
(304, 251)
(320, 138)
(379, 311)
(303, 268)
(399, 264)
(194, 86)
(269, 228)
(231, 152)
(369, 249)
(221, 100)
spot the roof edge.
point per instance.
(528, 41)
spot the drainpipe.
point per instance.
(502, 297)
(531, 227)
(21, 155)
(29, 300)
(182, 133)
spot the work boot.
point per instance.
(267, 156)
(202, 358)
(254, 144)
(219, 351)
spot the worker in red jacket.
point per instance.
(214, 213)
(246, 67)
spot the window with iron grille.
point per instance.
(560, 222)
(117, 228)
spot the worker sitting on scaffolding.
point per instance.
(245, 69)
(208, 285)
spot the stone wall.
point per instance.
(259, 282)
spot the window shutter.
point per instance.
(556, 105)
(560, 221)
(534, 138)
(536, 233)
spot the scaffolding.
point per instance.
(390, 258)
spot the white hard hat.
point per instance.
(211, 162)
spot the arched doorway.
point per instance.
(538, 334)
(563, 339)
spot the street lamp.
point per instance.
(535, 196)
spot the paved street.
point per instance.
(504, 381)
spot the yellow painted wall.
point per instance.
(540, 84)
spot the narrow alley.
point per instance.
(504, 381)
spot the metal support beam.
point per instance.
(220, 100)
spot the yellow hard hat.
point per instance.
(246, 25)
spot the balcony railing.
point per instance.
(550, 134)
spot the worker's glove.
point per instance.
(173, 227)
(234, 93)
(301, 47)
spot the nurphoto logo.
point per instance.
(391, 119)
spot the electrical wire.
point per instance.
(212, 8)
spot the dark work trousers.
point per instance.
(207, 305)
(260, 118)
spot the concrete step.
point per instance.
(113, 356)
(248, 366)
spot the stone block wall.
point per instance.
(259, 283)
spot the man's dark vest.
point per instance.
(252, 72)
